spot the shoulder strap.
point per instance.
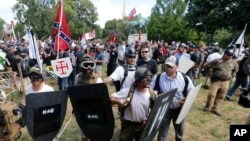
(157, 81)
(125, 67)
(186, 84)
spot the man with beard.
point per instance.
(22, 58)
(136, 101)
(87, 76)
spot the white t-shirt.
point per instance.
(118, 75)
(213, 56)
(45, 88)
(139, 104)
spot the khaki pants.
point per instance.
(217, 93)
(26, 81)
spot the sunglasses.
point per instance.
(35, 78)
(146, 79)
(131, 57)
(88, 65)
(144, 51)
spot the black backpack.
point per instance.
(118, 84)
(157, 82)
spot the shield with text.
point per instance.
(62, 67)
(93, 110)
(157, 114)
(45, 113)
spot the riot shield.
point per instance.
(156, 115)
(45, 113)
(93, 111)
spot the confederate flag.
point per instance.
(112, 38)
(61, 32)
(131, 14)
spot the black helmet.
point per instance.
(20, 49)
(130, 52)
(86, 57)
(143, 73)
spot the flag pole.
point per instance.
(242, 40)
(59, 29)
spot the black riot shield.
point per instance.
(246, 66)
(45, 113)
(93, 110)
(156, 115)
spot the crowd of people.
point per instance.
(133, 69)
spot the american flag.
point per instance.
(131, 14)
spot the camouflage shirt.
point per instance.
(221, 69)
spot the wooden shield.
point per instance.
(45, 113)
(93, 111)
(156, 115)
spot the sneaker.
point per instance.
(206, 109)
(227, 99)
(216, 113)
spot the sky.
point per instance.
(106, 9)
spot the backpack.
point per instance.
(118, 84)
(157, 82)
(10, 115)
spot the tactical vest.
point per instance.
(92, 80)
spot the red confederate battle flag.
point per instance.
(112, 38)
(131, 14)
(61, 32)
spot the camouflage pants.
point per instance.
(217, 93)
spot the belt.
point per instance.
(133, 123)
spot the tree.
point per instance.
(209, 16)
(117, 26)
(1, 26)
(167, 21)
(81, 16)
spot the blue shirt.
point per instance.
(167, 84)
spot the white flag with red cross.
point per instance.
(62, 67)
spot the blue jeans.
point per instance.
(62, 83)
(243, 81)
(164, 127)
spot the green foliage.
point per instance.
(223, 37)
(1, 25)
(117, 26)
(81, 16)
(210, 16)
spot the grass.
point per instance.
(199, 125)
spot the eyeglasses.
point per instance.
(144, 51)
(88, 65)
(131, 57)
